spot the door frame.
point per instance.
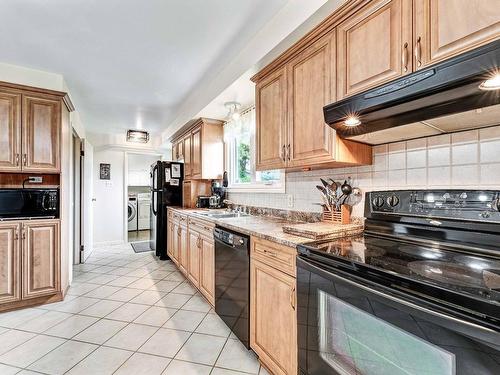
(78, 197)
(125, 185)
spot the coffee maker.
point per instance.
(218, 192)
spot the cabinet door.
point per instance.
(41, 134)
(207, 273)
(374, 46)
(41, 263)
(196, 153)
(271, 121)
(187, 157)
(175, 242)
(194, 244)
(273, 320)
(170, 238)
(183, 249)
(10, 263)
(311, 85)
(10, 131)
(446, 28)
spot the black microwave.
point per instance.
(29, 204)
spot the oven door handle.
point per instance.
(480, 332)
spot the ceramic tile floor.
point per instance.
(125, 313)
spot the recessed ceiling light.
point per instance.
(137, 136)
(352, 121)
(491, 84)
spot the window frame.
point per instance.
(230, 165)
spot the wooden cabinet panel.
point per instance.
(271, 119)
(196, 153)
(311, 85)
(446, 28)
(175, 242)
(10, 131)
(10, 263)
(41, 263)
(187, 156)
(170, 237)
(194, 257)
(207, 271)
(273, 323)
(183, 249)
(374, 46)
(41, 133)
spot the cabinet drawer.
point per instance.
(275, 255)
(202, 227)
(181, 219)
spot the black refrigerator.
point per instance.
(166, 190)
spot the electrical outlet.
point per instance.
(289, 199)
(35, 180)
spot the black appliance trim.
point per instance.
(445, 88)
(483, 330)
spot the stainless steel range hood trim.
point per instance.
(443, 89)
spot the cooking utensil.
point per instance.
(355, 197)
(346, 189)
(325, 184)
(324, 194)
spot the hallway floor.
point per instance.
(138, 235)
(125, 313)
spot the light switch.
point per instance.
(289, 199)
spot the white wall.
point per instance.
(469, 159)
(139, 168)
(109, 210)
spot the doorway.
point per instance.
(78, 178)
(138, 196)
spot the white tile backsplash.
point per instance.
(468, 159)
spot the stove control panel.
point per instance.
(482, 205)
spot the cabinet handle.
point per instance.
(24, 160)
(24, 234)
(283, 153)
(288, 151)
(418, 52)
(17, 159)
(404, 57)
(272, 253)
(16, 236)
(199, 242)
(292, 297)
(179, 231)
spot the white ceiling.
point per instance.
(129, 63)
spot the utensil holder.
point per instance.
(342, 216)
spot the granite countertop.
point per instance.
(268, 228)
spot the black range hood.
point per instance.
(443, 89)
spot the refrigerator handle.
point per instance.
(154, 177)
(154, 202)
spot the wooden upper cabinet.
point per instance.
(41, 133)
(10, 262)
(446, 28)
(10, 131)
(196, 153)
(311, 85)
(41, 258)
(374, 46)
(187, 156)
(271, 119)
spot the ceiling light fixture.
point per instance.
(352, 121)
(233, 110)
(491, 84)
(137, 136)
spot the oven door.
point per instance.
(351, 327)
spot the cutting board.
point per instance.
(323, 230)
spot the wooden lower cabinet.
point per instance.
(207, 269)
(182, 248)
(41, 260)
(273, 319)
(194, 257)
(10, 262)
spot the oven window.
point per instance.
(352, 341)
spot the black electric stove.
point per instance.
(426, 274)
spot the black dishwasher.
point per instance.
(232, 281)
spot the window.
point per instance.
(239, 139)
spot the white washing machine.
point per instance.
(132, 213)
(143, 210)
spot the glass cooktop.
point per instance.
(430, 263)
